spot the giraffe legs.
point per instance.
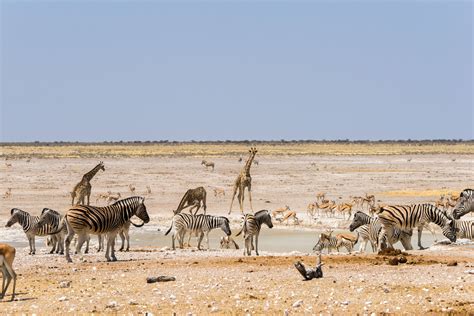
(249, 188)
(241, 199)
(233, 197)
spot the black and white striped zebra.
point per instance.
(326, 241)
(464, 229)
(251, 227)
(406, 217)
(374, 228)
(52, 218)
(29, 224)
(465, 204)
(85, 220)
(196, 224)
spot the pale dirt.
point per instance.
(224, 281)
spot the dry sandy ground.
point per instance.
(221, 281)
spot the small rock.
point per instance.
(469, 271)
(62, 299)
(298, 303)
(393, 261)
(111, 304)
(452, 263)
(214, 309)
(345, 303)
(402, 259)
(132, 302)
(64, 284)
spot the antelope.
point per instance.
(326, 207)
(287, 216)
(280, 211)
(148, 189)
(103, 196)
(7, 255)
(131, 188)
(311, 210)
(8, 165)
(345, 208)
(8, 193)
(113, 198)
(320, 196)
(208, 164)
(218, 192)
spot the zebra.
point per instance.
(53, 218)
(465, 203)
(85, 220)
(330, 242)
(199, 224)
(374, 228)
(464, 229)
(251, 227)
(364, 234)
(29, 224)
(407, 217)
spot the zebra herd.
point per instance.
(396, 223)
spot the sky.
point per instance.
(234, 70)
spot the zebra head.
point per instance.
(225, 226)
(141, 212)
(358, 220)
(16, 215)
(264, 216)
(319, 246)
(449, 230)
(47, 216)
(465, 204)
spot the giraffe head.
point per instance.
(101, 166)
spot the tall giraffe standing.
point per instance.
(244, 180)
(83, 188)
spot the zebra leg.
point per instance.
(127, 237)
(54, 241)
(207, 240)
(122, 238)
(112, 246)
(420, 231)
(69, 237)
(100, 239)
(256, 243)
(200, 240)
(33, 246)
(60, 249)
(172, 241)
(81, 238)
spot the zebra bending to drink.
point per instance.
(196, 224)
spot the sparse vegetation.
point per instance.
(200, 149)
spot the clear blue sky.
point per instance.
(106, 70)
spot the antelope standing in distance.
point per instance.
(244, 180)
(83, 188)
(219, 192)
(112, 198)
(208, 164)
(287, 216)
(8, 193)
(227, 242)
(148, 189)
(131, 188)
(320, 196)
(7, 255)
(103, 196)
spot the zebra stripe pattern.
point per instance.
(406, 217)
(198, 224)
(251, 227)
(30, 227)
(464, 229)
(465, 204)
(52, 218)
(376, 236)
(85, 220)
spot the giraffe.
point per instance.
(244, 180)
(83, 188)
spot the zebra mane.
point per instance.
(133, 200)
(18, 210)
(259, 213)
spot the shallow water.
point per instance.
(271, 240)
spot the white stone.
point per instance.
(298, 303)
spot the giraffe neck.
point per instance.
(93, 172)
(248, 164)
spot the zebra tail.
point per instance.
(239, 232)
(168, 231)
